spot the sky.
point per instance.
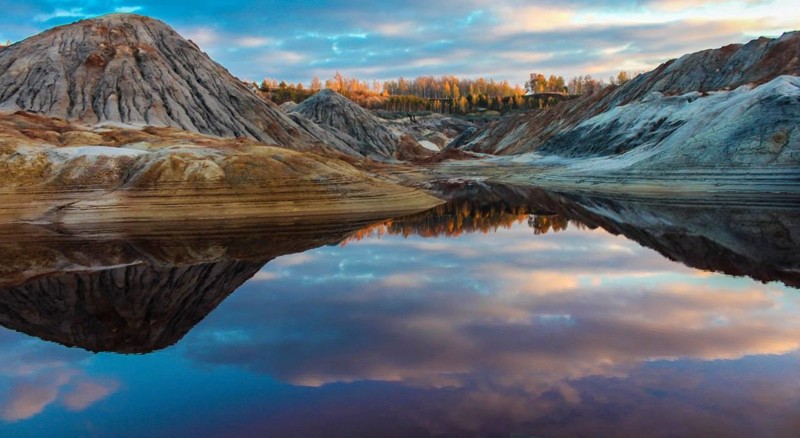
(502, 39)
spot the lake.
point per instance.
(507, 312)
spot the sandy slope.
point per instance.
(119, 174)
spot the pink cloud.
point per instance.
(88, 392)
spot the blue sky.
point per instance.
(504, 39)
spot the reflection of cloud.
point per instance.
(265, 276)
(30, 398)
(87, 392)
(42, 374)
(578, 305)
(405, 280)
(292, 260)
(535, 282)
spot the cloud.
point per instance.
(205, 37)
(252, 41)
(61, 13)
(504, 39)
(127, 9)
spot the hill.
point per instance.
(135, 70)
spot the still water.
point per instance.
(524, 315)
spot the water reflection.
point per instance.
(136, 290)
(578, 332)
(522, 312)
(739, 237)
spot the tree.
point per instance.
(536, 84)
(555, 84)
(338, 82)
(316, 85)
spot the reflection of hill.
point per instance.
(736, 238)
(741, 237)
(137, 291)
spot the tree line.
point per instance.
(465, 217)
(443, 94)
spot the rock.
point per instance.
(288, 107)
(338, 115)
(426, 126)
(129, 69)
(333, 138)
(409, 149)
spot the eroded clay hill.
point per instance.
(653, 106)
(356, 127)
(136, 70)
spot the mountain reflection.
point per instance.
(139, 290)
(134, 289)
(734, 238)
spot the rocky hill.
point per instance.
(135, 70)
(559, 131)
(713, 122)
(365, 133)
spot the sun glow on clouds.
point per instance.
(251, 41)
(504, 39)
(202, 36)
(779, 12)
